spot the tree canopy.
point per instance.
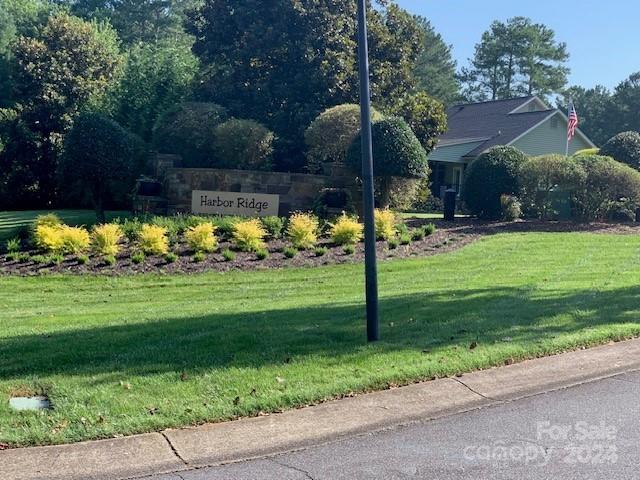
(57, 72)
(283, 62)
(435, 69)
(137, 20)
(515, 58)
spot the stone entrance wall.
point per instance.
(297, 191)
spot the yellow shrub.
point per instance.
(74, 239)
(385, 224)
(48, 219)
(249, 235)
(61, 238)
(153, 240)
(105, 239)
(48, 237)
(201, 238)
(346, 230)
(303, 230)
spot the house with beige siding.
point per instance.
(526, 123)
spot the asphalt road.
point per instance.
(587, 432)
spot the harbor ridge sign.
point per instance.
(234, 203)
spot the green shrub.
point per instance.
(13, 256)
(402, 228)
(290, 252)
(201, 238)
(248, 235)
(330, 135)
(320, 251)
(540, 177)
(243, 144)
(425, 115)
(109, 260)
(417, 234)
(625, 148)
(41, 259)
(396, 153)
(393, 243)
(138, 257)
(490, 176)
(56, 258)
(385, 221)
(106, 239)
(152, 240)
(13, 245)
(405, 239)
(82, 259)
(302, 230)
(273, 225)
(611, 190)
(199, 257)
(101, 159)
(511, 208)
(262, 254)
(130, 227)
(188, 130)
(429, 229)
(346, 230)
(228, 255)
(226, 225)
(349, 249)
(171, 257)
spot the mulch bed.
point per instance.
(448, 237)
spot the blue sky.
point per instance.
(603, 37)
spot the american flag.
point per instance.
(573, 121)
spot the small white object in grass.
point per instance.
(30, 403)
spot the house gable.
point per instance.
(550, 136)
(534, 104)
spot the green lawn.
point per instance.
(12, 221)
(429, 216)
(140, 353)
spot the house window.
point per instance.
(554, 122)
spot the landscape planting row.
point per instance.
(162, 241)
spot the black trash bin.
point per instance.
(450, 205)
(638, 215)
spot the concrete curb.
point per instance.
(207, 445)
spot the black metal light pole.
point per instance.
(371, 269)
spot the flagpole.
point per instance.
(568, 120)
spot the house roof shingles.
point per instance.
(492, 121)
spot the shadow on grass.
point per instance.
(432, 319)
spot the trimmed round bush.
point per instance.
(425, 115)
(625, 148)
(491, 175)
(541, 176)
(243, 145)
(329, 136)
(188, 130)
(610, 190)
(396, 153)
